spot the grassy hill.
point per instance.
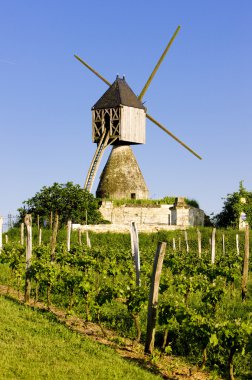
(34, 346)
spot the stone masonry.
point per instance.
(178, 214)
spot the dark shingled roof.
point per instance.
(119, 93)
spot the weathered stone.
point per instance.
(121, 177)
(124, 228)
(160, 215)
(180, 202)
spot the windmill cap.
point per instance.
(118, 94)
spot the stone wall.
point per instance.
(141, 215)
(178, 214)
(125, 228)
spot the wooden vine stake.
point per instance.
(54, 235)
(69, 227)
(136, 258)
(223, 244)
(87, 235)
(153, 297)
(40, 236)
(237, 244)
(88, 240)
(79, 236)
(245, 264)
(174, 244)
(28, 223)
(1, 233)
(135, 250)
(186, 241)
(22, 233)
(199, 242)
(213, 246)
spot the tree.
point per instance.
(69, 201)
(233, 207)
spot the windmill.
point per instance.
(119, 119)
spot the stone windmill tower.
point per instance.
(119, 119)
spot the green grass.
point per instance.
(35, 346)
(150, 202)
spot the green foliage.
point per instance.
(230, 214)
(192, 202)
(200, 313)
(151, 202)
(168, 200)
(68, 200)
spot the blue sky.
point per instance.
(202, 92)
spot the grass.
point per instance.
(34, 346)
(151, 202)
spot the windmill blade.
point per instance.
(173, 136)
(93, 70)
(158, 64)
(148, 116)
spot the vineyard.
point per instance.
(204, 309)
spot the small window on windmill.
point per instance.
(133, 195)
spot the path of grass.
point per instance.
(34, 346)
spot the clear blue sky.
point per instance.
(202, 92)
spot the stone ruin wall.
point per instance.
(169, 215)
(148, 219)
